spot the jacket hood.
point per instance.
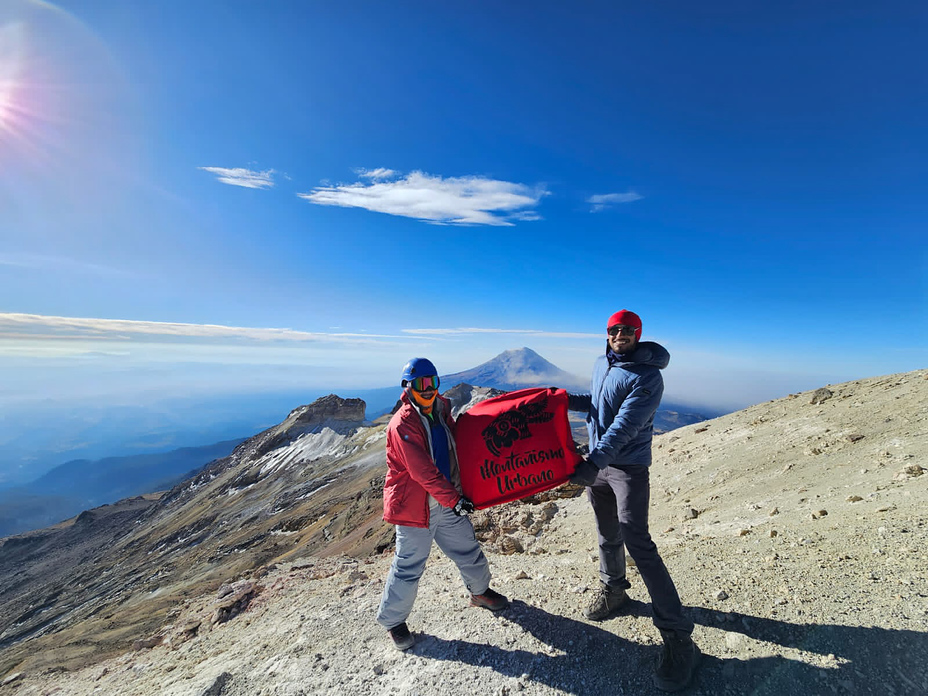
(645, 353)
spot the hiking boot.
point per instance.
(402, 638)
(490, 599)
(606, 602)
(677, 663)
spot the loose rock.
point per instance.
(821, 395)
(12, 678)
(215, 689)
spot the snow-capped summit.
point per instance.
(516, 369)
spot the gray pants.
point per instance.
(620, 499)
(455, 537)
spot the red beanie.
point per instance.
(626, 318)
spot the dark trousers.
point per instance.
(620, 499)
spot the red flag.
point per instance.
(515, 445)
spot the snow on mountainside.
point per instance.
(516, 369)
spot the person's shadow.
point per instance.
(581, 658)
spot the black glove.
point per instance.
(463, 507)
(584, 474)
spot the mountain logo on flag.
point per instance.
(512, 425)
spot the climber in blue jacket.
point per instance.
(625, 391)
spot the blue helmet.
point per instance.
(418, 367)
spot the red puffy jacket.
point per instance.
(411, 472)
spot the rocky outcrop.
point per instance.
(334, 412)
(326, 408)
(463, 396)
(233, 599)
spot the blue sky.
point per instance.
(208, 196)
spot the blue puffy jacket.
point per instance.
(625, 393)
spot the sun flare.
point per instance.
(63, 98)
(9, 66)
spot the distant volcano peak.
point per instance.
(516, 368)
(523, 353)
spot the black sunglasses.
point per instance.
(620, 329)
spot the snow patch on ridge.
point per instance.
(313, 445)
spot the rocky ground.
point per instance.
(795, 530)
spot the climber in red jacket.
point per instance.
(422, 497)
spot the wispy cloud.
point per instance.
(240, 176)
(376, 174)
(35, 326)
(607, 200)
(468, 331)
(58, 264)
(467, 200)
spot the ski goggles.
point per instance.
(421, 384)
(622, 329)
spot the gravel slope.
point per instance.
(795, 531)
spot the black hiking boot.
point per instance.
(677, 663)
(490, 599)
(402, 638)
(606, 602)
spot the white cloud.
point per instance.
(376, 174)
(36, 327)
(58, 264)
(521, 332)
(607, 200)
(468, 200)
(526, 216)
(240, 176)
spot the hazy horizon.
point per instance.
(719, 382)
